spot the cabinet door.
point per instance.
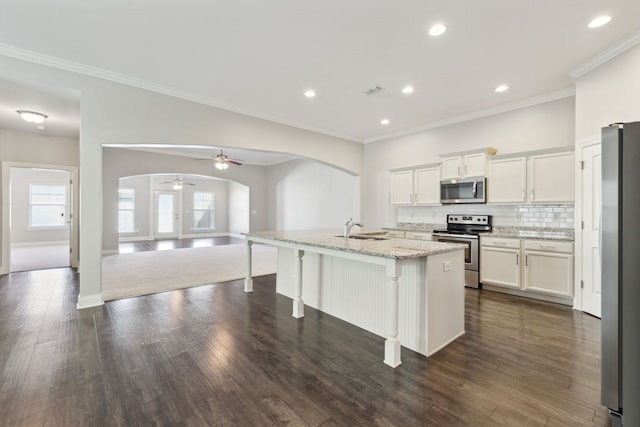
(427, 186)
(402, 188)
(551, 178)
(452, 167)
(475, 165)
(507, 180)
(500, 267)
(551, 273)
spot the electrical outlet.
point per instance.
(446, 266)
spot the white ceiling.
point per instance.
(258, 57)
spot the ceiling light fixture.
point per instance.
(221, 166)
(501, 88)
(407, 89)
(437, 30)
(384, 122)
(32, 116)
(177, 186)
(599, 21)
(310, 93)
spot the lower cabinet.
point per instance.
(500, 262)
(548, 267)
(538, 266)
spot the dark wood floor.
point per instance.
(213, 355)
(168, 244)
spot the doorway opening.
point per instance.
(38, 216)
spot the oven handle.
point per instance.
(475, 189)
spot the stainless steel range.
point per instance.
(466, 229)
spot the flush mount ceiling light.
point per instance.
(384, 122)
(221, 166)
(437, 30)
(310, 93)
(407, 89)
(599, 21)
(501, 88)
(32, 116)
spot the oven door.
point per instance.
(470, 251)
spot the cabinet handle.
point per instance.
(548, 246)
(517, 258)
(526, 260)
(458, 170)
(500, 243)
(465, 169)
(532, 198)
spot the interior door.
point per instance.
(166, 215)
(591, 210)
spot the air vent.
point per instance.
(372, 90)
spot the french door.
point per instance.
(166, 215)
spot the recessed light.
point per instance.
(437, 30)
(384, 122)
(599, 21)
(407, 89)
(310, 93)
(501, 88)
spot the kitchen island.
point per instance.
(409, 292)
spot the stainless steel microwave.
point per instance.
(463, 190)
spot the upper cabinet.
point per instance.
(417, 187)
(466, 164)
(534, 178)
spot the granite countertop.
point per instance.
(562, 234)
(333, 239)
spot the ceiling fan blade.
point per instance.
(234, 162)
(187, 183)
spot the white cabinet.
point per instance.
(402, 188)
(396, 234)
(548, 267)
(507, 180)
(419, 187)
(427, 186)
(545, 177)
(500, 262)
(551, 178)
(465, 164)
(418, 235)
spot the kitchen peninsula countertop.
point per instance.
(333, 239)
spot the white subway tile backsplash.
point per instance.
(558, 216)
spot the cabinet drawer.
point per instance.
(395, 234)
(500, 242)
(548, 246)
(418, 235)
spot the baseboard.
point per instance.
(110, 252)
(88, 301)
(135, 238)
(196, 235)
(39, 244)
(532, 295)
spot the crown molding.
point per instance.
(87, 70)
(541, 99)
(606, 55)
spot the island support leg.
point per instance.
(392, 343)
(248, 281)
(298, 304)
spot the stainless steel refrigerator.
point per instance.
(620, 253)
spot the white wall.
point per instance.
(21, 180)
(546, 125)
(309, 195)
(608, 94)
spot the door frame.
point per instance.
(578, 298)
(5, 259)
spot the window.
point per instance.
(203, 212)
(126, 210)
(48, 205)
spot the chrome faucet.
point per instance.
(349, 225)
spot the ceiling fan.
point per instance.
(222, 161)
(178, 183)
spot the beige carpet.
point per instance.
(143, 273)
